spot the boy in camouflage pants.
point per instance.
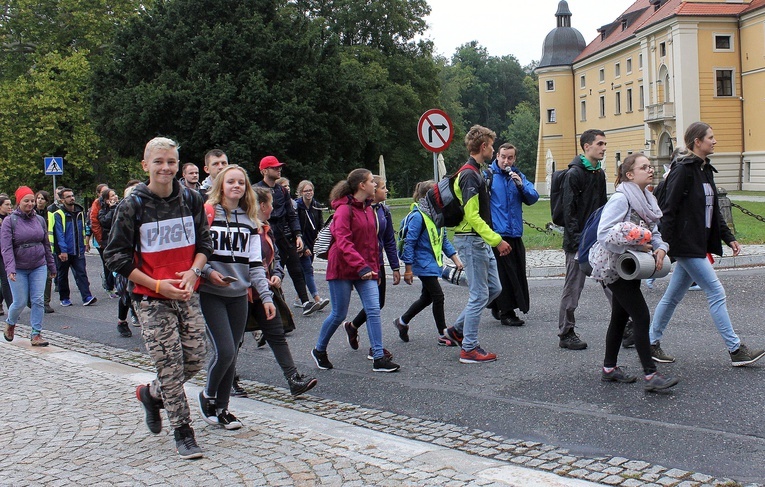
(160, 241)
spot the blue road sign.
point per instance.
(54, 166)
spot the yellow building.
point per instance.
(660, 66)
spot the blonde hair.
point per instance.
(302, 184)
(476, 137)
(248, 202)
(159, 143)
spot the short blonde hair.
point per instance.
(159, 143)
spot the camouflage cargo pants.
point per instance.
(174, 335)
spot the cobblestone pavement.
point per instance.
(72, 418)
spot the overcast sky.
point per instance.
(516, 27)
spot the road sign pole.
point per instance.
(435, 167)
(54, 187)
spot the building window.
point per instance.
(724, 78)
(640, 61)
(663, 49)
(629, 65)
(618, 103)
(582, 81)
(723, 43)
(602, 75)
(583, 111)
(641, 94)
(629, 100)
(617, 70)
(551, 115)
(550, 85)
(602, 106)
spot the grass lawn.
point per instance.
(749, 230)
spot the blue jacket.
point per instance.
(506, 199)
(417, 250)
(386, 236)
(67, 239)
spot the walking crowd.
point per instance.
(200, 264)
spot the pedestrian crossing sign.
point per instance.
(54, 166)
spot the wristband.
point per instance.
(156, 288)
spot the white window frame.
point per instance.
(732, 81)
(583, 110)
(617, 70)
(663, 49)
(640, 61)
(602, 75)
(618, 103)
(549, 85)
(715, 35)
(629, 100)
(551, 115)
(582, 81)
(602, 106)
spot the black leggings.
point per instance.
(431, 293)
(273, 331)
(628, 302)
(361, 318)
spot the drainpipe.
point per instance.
(743, 128)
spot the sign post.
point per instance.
(54, 166)
(435, 132)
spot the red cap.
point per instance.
(23, 191)
(270, 161)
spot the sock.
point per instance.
(608, 370)
(650, 376)
(401, 320)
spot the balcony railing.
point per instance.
(660, 112)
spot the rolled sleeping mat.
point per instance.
(640, 265)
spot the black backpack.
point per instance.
(447, 208)
(556, 196)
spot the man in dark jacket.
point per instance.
(584, 191)
(287, 233)
(68, 235)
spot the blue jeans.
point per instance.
(483, 285)
(77, 264)
(687, 271)
(307, 263)
(28, 286)
(340, 297)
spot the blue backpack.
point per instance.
(587, 239)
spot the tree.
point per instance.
(268, 77)
(523, 133)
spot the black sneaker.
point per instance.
(658, 355)
(236, 388)
(617, 375)
(454, 335)
(186, 444)
(385, 364)
(511, 321)
(572, 341)
(744, 356)
(386, 354)
(321, 359)
(48, 309)
(207, 408)
(229, 421)
(300, 384)
(628, 339)
(403, 330)
(152, 408)
(310, 307)
(124, 329)
(353, 334)
(658, 382)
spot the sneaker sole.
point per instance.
(191, 456)
(629, 380)
(569, 347)
(748, 362)
(392, 369)
(232, 426)
(474, 361)
(663, 360)
(92, 301)
(671, 383)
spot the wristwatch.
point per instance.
(197, 271)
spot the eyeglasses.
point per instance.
(646, 167)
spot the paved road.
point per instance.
(710, 423)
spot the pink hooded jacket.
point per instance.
(354, 251)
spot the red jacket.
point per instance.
(354, 251)
(95, 225)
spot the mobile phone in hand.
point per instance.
(229, 279)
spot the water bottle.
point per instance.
(452, 275)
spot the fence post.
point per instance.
(725, 208)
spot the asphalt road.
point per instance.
(711, 422)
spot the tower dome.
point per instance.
(564, 43)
